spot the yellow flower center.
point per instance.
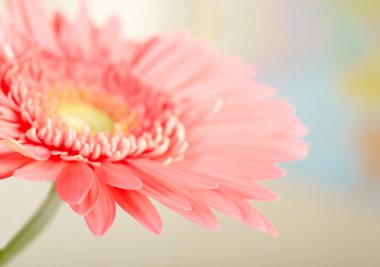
(80, 107)
(79, 115)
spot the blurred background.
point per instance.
(324, 57)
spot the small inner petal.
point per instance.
(79, 115)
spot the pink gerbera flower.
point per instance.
(122, 122)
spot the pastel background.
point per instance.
(322, 55)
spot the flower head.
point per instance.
(122, 122)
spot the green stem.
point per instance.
(32, 228)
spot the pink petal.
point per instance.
(110, 39)
(30, 151)
(269, 226)
(252, 216)
(165, 195)
(118, 175)
(6, 106)
(16, 13)
(187, 72)
(156, 51)
(102, 216)
(8, 124)
(8, 132)
(139, 207)
(36, 22)
(82, 30)
(160, 69)
(220, 202)
(254, 191)
(74, 182)
(247, 170)
(142, 49)
(5, 150)
(89, 202)
(173, 175)
(244, 187)
(39, 171)
(63, 33)
(9, 162)
(200, 215)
